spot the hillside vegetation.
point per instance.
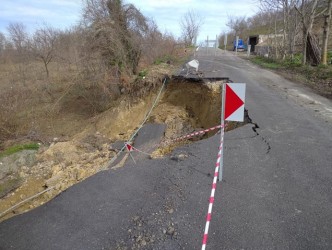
(67, 95)
(54, 80)
(290, 37)
(292, 27)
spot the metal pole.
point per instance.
(216, 44)
(207, 44)
(225, 42)
(223, 95)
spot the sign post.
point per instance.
(129, 149)
(233, 95)
(225, 42)
(216, 46)
(207, 45)
(232, 109)
(236, 44)
(222, 132)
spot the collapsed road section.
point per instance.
(188, 104)
(185, 106)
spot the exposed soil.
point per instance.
(184, 107)
(188, 106)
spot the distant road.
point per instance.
(276, 192)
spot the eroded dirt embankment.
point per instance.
(184, 107)
(188, 106)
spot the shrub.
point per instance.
(329, 57)
(143, 73)
(296, 61)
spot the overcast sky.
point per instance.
(167, 13)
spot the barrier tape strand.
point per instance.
(180, 138)
(213, 191)
(197, 133)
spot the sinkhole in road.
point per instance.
(189, 106)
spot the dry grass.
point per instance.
(39, 108)
(36, 106)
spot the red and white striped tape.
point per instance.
(130, 147)
(214, 186)
(197, 133)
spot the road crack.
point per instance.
(256, 128)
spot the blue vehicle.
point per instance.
(240, 45)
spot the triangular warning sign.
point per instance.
(129, 147)
(232, 102)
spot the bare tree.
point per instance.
(68, 45)
(19, 37)
(259, 22)
(115, 31)
(239, 25)
(285, 14)
(326, 32)
(2, 42)
(154, 44)
(44, 45)
(191, 23)
(308, 12)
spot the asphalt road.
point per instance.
(276, 192)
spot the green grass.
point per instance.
(295, 62)
(329, 57)
(266, 62)
(270, 63)
(18, 148)
(317, 77)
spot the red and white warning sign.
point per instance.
(232, 110)
(234, 101)
(129, 147)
